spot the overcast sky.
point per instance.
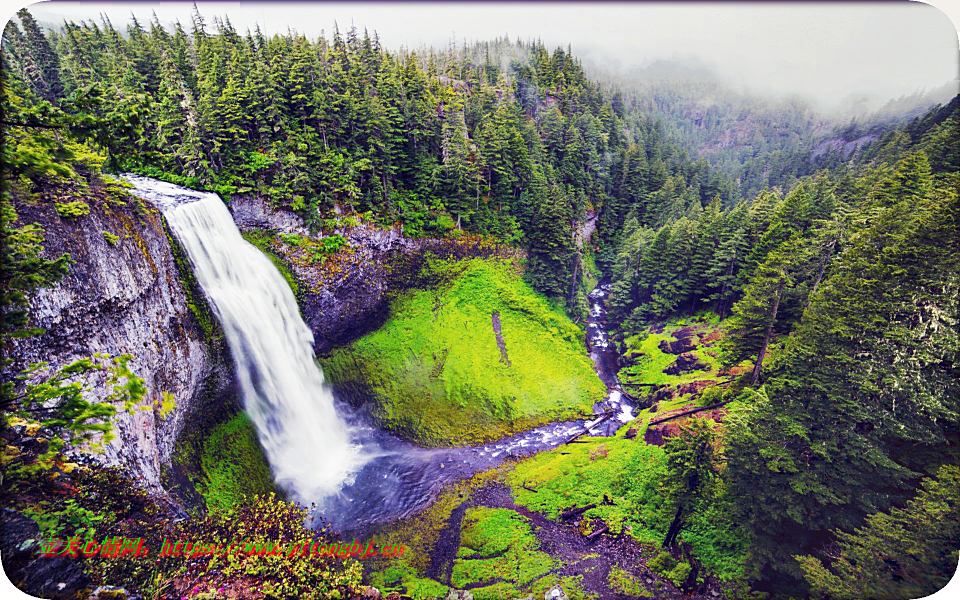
(824, 51)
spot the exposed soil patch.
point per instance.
(445, 549)
(500, 343)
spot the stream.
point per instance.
(322, 452)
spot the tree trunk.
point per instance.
(766, 338)
(816, 283)
(674, 530)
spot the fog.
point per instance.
(822, 51)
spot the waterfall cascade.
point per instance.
(306, 442)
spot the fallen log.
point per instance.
(688, 412)
(524, 486)
(589, 426)
(567, 514)
(597, 533)
(640, 384)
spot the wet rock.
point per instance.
(711, 337)
(660, 394)
(631, 433)
(369, 593)
(122, 299)
(679, 346)
(555, 593)
(254, 213)
(459, 595)
(348, 295)
(630, 358)
(687, 361)
(52, 577)
(109, 592)
(695, 387)
(657, 328)
(685, 332)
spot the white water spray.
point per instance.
(307, 444)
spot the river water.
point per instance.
(320, 451)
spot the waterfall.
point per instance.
(307, 444)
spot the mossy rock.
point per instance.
(472, 360)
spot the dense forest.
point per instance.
(823, 255)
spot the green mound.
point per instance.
(233, 464)
(441, 373)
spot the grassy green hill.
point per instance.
(438, 374)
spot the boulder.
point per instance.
(685, 344)
(660, 394)
(53, 577)
(369, 593)
(711, 337)
(687, 361)
(555, 593)
(695, 387)
(459, 595)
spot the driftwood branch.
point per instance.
(590, 426)
(569, 514)
(688, 412)
(598, 533)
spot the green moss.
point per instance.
(402, 577)
(196, 301)
(624, 582)
(233, 464)
(264, 240)
(629, 475)
(505, 550)
(437, 373)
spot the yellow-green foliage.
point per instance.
(624, 582)
(265, 518)
(233, 464)
(72, 210)
(498, 545)
(669, 567)
(566, 477)
(650, 366)
(436, 371)
(111, 238)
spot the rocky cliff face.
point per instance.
(122, 298)
(348, 294)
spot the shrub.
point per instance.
(72, 210)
